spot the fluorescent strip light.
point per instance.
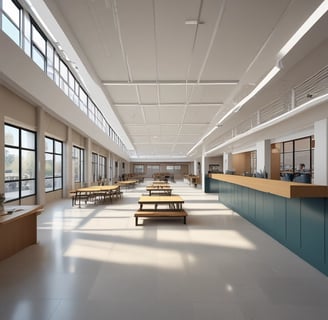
(262, 84)
(202, 140)
(171, 83)
(306, 26)
(193, 22)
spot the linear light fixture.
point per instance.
(306, 26)
(262, 84)
(177, 104)
(170, 83)
(202, 140)
(193, 22)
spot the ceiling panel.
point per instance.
(123, 94)
(171, 114)
(174, 93)
(130, 114)
(200, 115)
(148, 94)
(211, 93)
(193, 128)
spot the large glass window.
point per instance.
(53, 165)
(296, 158)
(78, 164)
(10, 22)
(20, 162)
(102, 167)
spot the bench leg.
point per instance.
(137, 221)
(184, 220)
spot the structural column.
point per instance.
(263, 157)
(227, 161)
(41, 196)
(68, 165)
(321, 152)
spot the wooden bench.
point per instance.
(160, 214)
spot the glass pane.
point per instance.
(302, 144)
(38, 58)
(10, 29)
(48, 184)
(302, 158)
(49, 170)
(288, 162)
(11, 164)
(11, 136)
(11, 10)
(58, 166)
(28, 187)
(28, 164)
(50, 60)
(38, 40)
(49, 145)
(11, 190)
(27, 34)
(58, 183)
(28, 139)
(288, 146)
(58, 147)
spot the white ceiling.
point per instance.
(168, 82)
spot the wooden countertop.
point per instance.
(17, 212)
(278, 187)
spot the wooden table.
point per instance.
(18, 229)
(166, 190)
(94, 193)
(174, 202)
(174, 211)
(127, 183)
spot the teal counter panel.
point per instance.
(293, 225)
(313, 230)
(279, 208)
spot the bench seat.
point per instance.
(160, 214)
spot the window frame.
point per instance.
(21, 183)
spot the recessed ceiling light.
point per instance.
(193, 22)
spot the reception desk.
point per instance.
(295, 214)
(18, 229)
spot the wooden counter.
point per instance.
(295, 214)
(281, 188)
(18, 229)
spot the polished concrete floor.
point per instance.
(93, 263)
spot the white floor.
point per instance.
(94, 264)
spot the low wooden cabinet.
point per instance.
(18, 229)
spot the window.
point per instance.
(102, 167)
(53, 165)
(294, 153)
(94, 164)
(11, 20)
(139, 168)
(38, 47)
(78, 164)
(20, 163)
